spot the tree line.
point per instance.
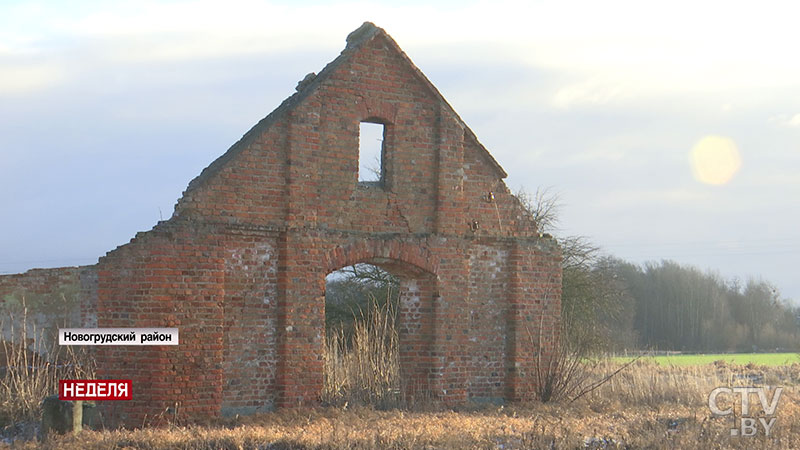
(670, 306)
(611, 304)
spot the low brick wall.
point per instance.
(40, 301)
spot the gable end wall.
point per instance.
(240, 267)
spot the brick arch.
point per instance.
(370, 108)
(417, 270)
(416, 255)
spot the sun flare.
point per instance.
(715, 160)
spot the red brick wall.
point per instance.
(240, 267)
(534, 300)
(250, 327)
(501, 217)
(168, 277)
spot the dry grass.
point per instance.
(27, 377)
(650, 384)
(529, 426)
(364, 368)
(647, 406)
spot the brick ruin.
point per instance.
(42, 300)
(240, 266)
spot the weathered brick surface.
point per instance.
(240, 267)
(48, 299)
(534, 300)
(250, 329)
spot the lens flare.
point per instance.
(715, 160)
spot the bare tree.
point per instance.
(594, 302)
(543, 206)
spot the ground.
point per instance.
(646, 406)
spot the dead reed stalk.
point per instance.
(30, 367)
(364, 368)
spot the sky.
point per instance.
(669, 130)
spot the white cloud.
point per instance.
(615, 49)
(591, 92)
(632, 199)
(24, 78)
(786, 120)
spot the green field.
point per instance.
(764, 359)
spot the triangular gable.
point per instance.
(355, 40)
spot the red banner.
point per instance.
(94, 389)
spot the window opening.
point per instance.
(370, 152)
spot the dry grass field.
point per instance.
(646, 406)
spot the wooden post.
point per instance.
(77, 416)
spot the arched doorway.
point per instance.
(380, 335)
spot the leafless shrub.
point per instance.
(27, 377)
(542, 206)
(566, 369)
(569, 372)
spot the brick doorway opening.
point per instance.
(380, 333)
